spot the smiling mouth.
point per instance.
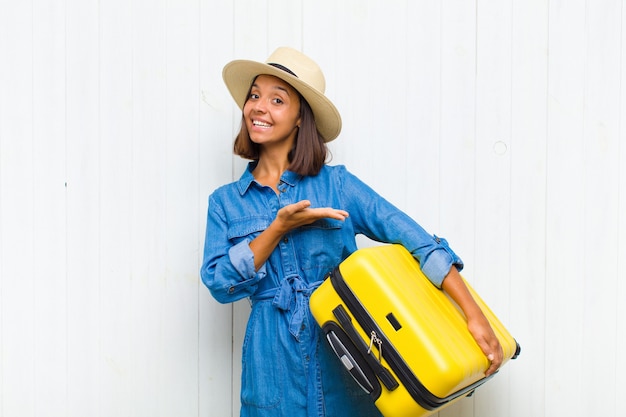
(260, 124)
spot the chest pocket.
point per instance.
(322, 244)
(247, 228)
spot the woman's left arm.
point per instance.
(380, 220)
(477, 323)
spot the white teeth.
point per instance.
(261, 124)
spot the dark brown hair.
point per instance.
(308, 155)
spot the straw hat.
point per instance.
(295, 68)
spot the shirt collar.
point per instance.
(247, 179)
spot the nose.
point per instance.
(259, 106)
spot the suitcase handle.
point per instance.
(348, 361)
(352, 359)
(381, 372)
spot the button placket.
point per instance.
(287, 251)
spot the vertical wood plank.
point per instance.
(526, 311)
(3, 113)
(148, 206)
(83, 211)
(386, 101)
(353, 65)
(17, 185)
(565, 208)
(180, 301)
(620, 293)
(284, 24)
(423, 112)
(116, 147)
(49, 238)
(600, 201)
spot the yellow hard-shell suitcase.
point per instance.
(401, 338)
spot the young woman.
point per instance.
(276, 233)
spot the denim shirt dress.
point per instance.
(288, 369)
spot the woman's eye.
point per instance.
(278, 101)
(253, 96)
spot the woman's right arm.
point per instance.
(228, 269)
(232, 272)
(288, 218)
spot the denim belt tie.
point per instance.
(290, 297)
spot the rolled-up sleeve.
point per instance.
(436, 264)
(227, 268)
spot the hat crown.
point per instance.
(300, 65)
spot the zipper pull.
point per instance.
(375, 339)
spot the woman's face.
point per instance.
(272, 112)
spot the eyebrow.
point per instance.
(275, 87)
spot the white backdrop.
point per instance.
(497, 124)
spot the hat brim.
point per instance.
(239, 74)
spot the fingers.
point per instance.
(333, 213)
(300, 205)
(495, 356)
(494, 364)
(316, 213)
(491, 370)
(295, 208)
(300, 214)
(313, 214)
(488, 343)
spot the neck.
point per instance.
(269, 170)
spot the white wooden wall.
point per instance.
(500, 125)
